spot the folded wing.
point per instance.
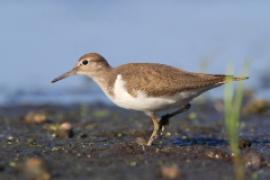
(162, 80)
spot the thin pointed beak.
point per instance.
(65, 75)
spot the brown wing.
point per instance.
(159, 79)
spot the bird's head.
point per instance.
(90, 64)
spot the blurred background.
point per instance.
(43, 39)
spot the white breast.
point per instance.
(143, 102)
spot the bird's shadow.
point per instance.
(197, 141)
(211, 141)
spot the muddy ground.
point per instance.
(102, 144)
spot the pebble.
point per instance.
(83, 136)
(170, 172)
(133, 163)
(192, 116)
(35, 169)
(65, 130)
(35, 118)
(140, 141)
(252, 160)
(215, 154)
(244, 143)
(12, 140)
(168, 134)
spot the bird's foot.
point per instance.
(155, 135)
(165, 119)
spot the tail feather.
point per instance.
(228, 78)
(240, 78)
(233, 78)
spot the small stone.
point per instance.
(83, 136)
(210, 154)
(133, 163)
(192, 116)
(252, 160)
(213, 155)
(35, 118)
(119, 134)
(12, 164)
(168, 134)
(10, 139)
(35, 169)
(65, 126)
(170, 172)
(65, 130)
(56, 148)
(244, 143)
(140, 141)
(32, 142)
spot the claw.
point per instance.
(162, 123)
(162, 130)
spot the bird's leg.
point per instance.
(156, 129)
(159, 123)
(164, 120)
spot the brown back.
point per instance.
(161, 80)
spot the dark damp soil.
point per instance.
(101, 144)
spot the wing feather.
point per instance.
(162, 80)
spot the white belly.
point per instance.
(142, 102)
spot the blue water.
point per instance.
(42, 39)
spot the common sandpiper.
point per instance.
(147, 87)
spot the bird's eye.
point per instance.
(85, 62)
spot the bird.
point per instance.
(147, 87)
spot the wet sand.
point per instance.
(102, 144)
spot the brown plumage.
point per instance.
(162, 80)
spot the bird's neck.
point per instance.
(103, 78)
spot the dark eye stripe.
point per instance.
(85, 62)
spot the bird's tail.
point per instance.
(240, 78)
(233, 78)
